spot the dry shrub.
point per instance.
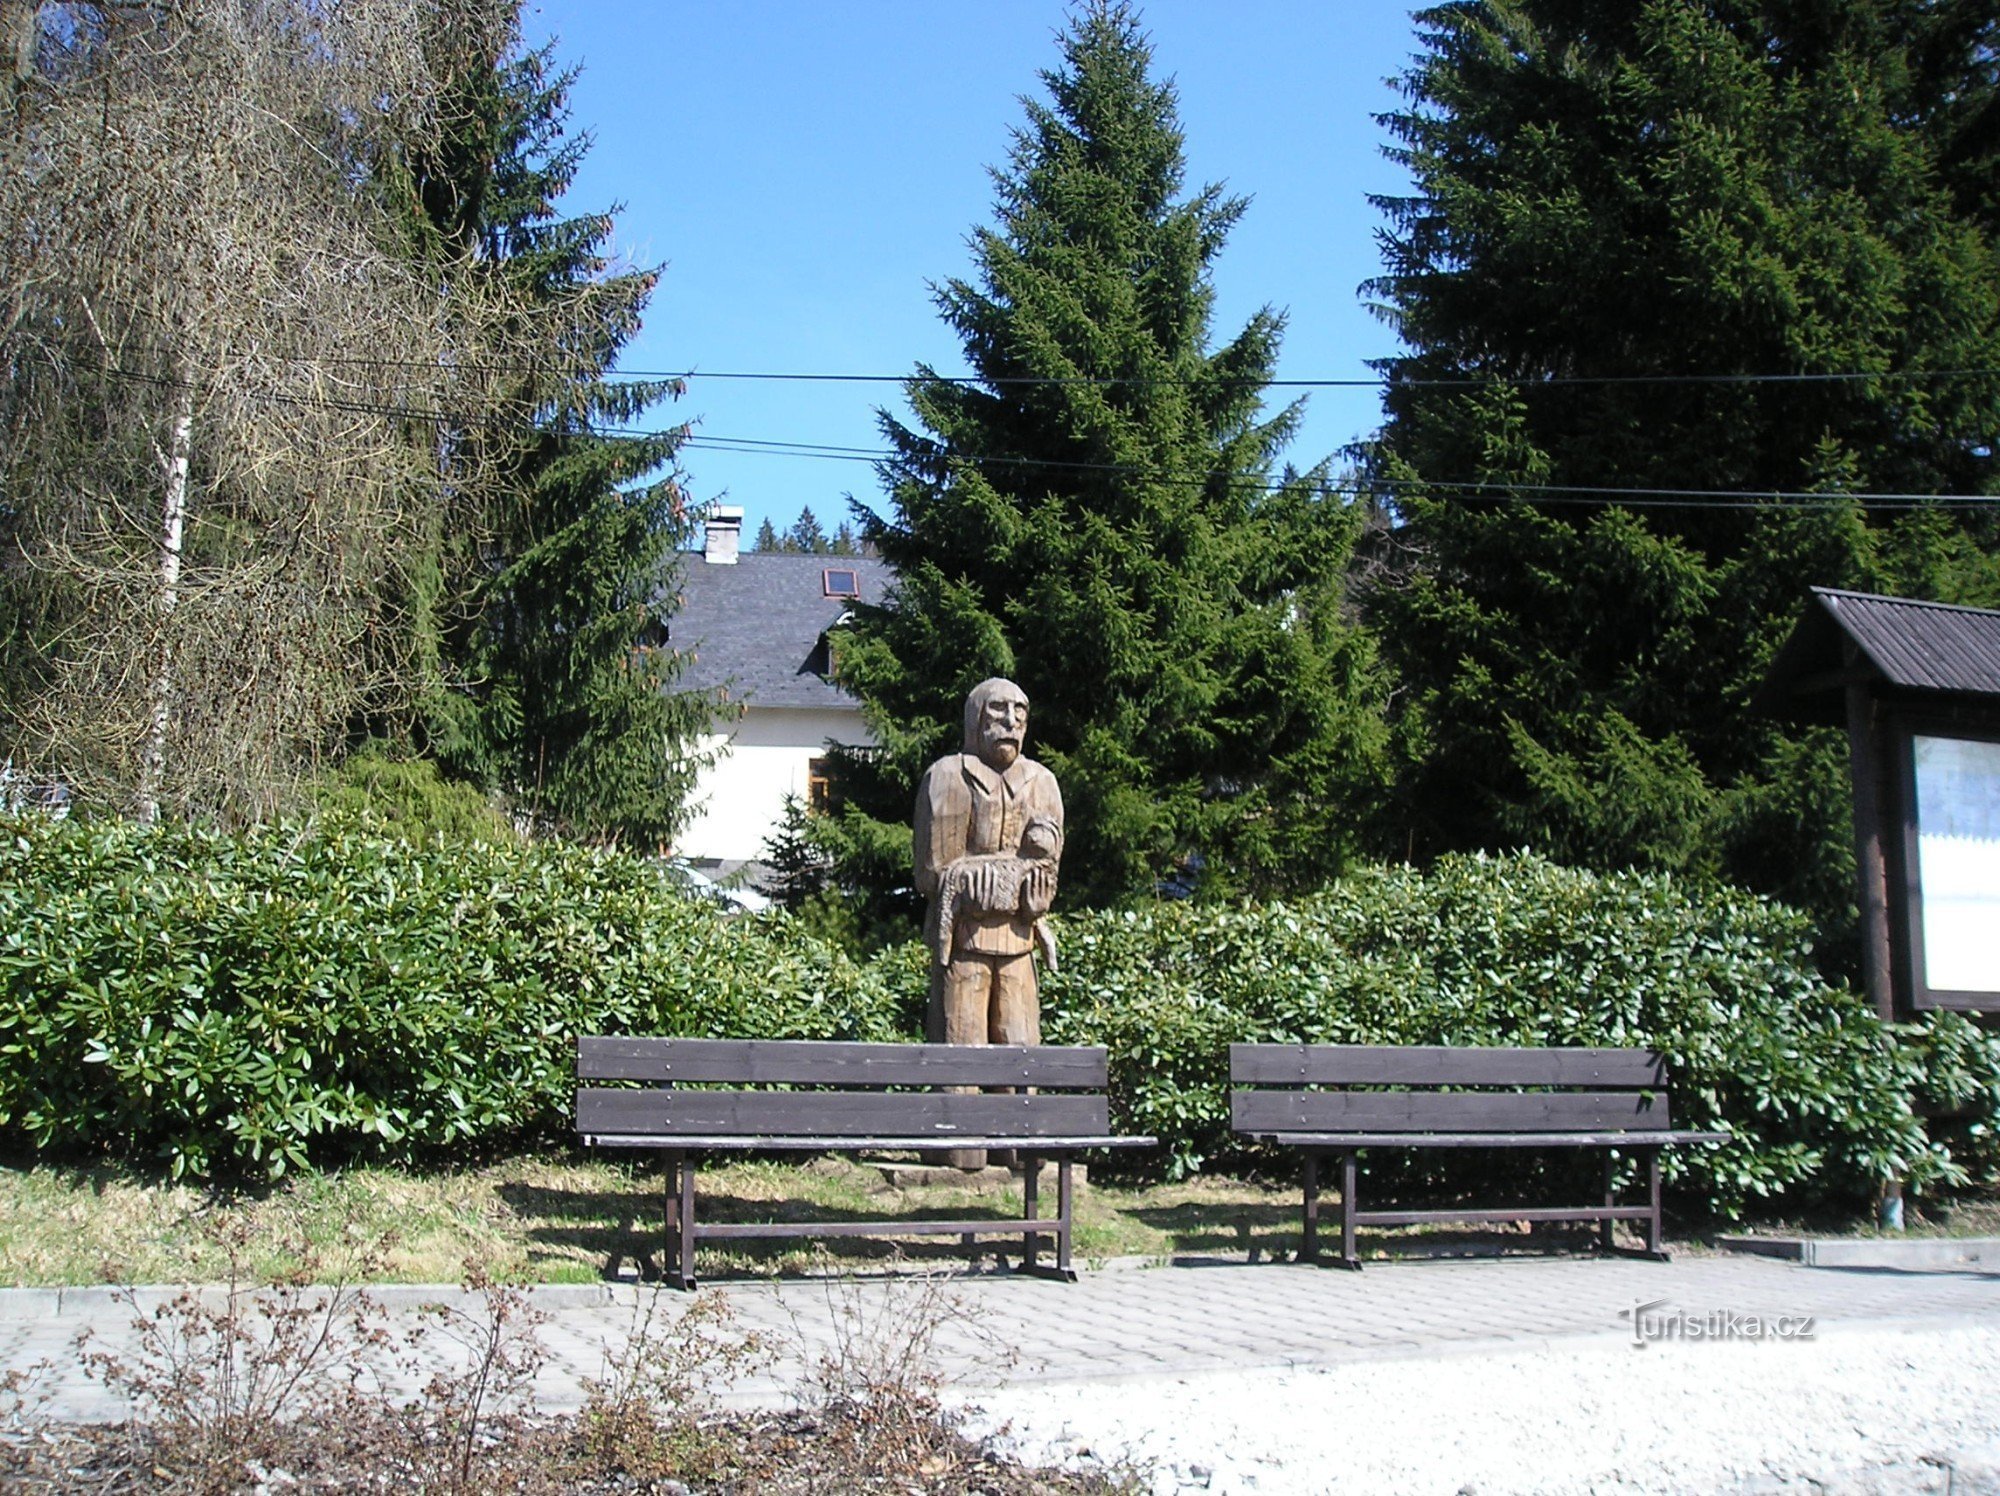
(25, 1438)
(251, 1385)
(221, 1379)
(467, 1424)
(651, 1414)
(286, 1387)
(872, 1396)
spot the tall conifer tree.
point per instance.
(1619, 209)
(558, 699)
(1099, 512)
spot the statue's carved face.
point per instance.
(1001, 728)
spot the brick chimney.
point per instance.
(724, 535)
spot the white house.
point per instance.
(754, 625)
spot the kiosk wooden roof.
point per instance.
(1899, 646)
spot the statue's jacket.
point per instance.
(967, 808)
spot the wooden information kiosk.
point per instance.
(1917, 686)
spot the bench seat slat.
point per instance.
(1635, 1138)
(753, 1062)
(1448, 1111)
(1437, 1065)
(838, 1114)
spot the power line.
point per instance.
(778, 448)
(1580, 495)
(1574, 494)
(1524, 382)
(1389, 381)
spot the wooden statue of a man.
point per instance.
(987, 843)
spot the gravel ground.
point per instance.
(1887, 1409)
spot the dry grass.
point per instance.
(572, 1219)
(1970, 1215)
(562, 1220)
(106, 1225)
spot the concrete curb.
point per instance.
(18, 1304)
(52, 1303)
(1928, 1254)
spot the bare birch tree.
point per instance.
(222, 377)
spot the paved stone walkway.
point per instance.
(994, 1329)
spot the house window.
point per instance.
(819, 786)
(841, 581)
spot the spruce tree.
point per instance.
(767, 537)
(562, 702)
(796, 867)
(1099, 513)
(807, 537)
(1648, 239)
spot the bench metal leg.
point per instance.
(1655, 1244)
(1031, 1190)
(1607, 1230)
(670, 1254)
(680, 1220)
(1655, 1248)
(1309, 1232)
(1066, 1206)
(1065, 1217)
(1349, 1183)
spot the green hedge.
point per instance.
(249, 1003)
(1520, 951)
(253, 1003)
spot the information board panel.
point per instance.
(1955, 922)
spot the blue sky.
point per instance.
(802, 171)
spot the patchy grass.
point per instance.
(558, 1219)
(566, 1218)
(1965, 1216)
(63, 1227)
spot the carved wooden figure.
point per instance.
(987, 845)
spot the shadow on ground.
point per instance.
(1268, 1233)
(624, 1231)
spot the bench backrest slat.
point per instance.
(1449, 1111)
(813, 1062)
(1438, 1065)
(837, 1114)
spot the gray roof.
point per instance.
(755, 628)
(1906, 645)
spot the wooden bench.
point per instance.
(835, 1099)
(1337, 1099)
